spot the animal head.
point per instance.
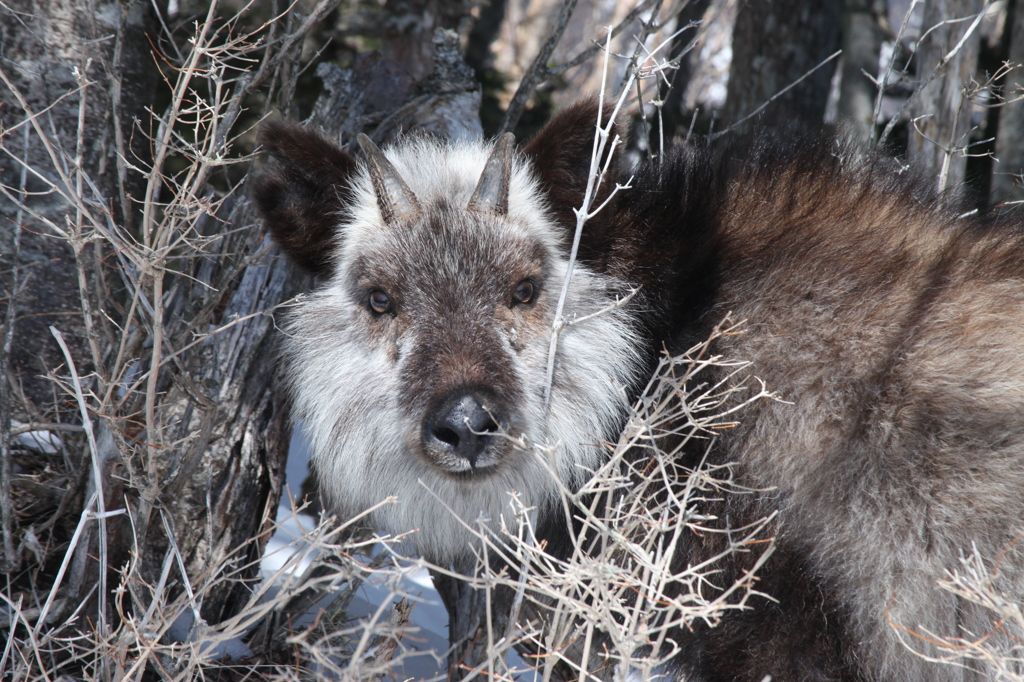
(419, 363)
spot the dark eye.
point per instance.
(524, 292)
(379, 301)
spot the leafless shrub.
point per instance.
(156, 505)
(610, 608)
(977, 92)
(999, 644)
(277, 634)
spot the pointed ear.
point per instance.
(561, 158)
(301, 192)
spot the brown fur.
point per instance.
(895, 330)
(560, 155)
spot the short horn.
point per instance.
(396, 200)
(491, 193)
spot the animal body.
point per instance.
(892, 328)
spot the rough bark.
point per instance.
(1008, 175)
(409, 27)
(941, 112)
(775, 42)
(43, 45)
(224, 416)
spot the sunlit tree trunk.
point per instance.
(941, 114)
(861, 42)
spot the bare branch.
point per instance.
(935, 72)
(780, 93)
(538, 69)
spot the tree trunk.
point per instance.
(674, 94)
(775, 43)
(131, 266)
(941, 114)
(59, 58)
(862, 43)
(44, 45)
(408, 31)
(224, 415)
(1008, 175)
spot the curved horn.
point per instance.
(394, 197)
(491, 193)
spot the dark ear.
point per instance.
(300, 192)
(561, 158)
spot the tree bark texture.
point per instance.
(942, 113)
(44, 44)
(224, 415)
(775, 42)
(409, 39)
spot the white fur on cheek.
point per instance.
(595, 361)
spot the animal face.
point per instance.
(420, 362)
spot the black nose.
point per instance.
(464, 425)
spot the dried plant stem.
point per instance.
(69, 554)
(597, 47)
(622, 569)
(12, 557)
(780, 93)
(539, 71)
(883, 80)
(77, 239)
(293, 39)
(65, 187)
(600, 140)
(937, 70)
(602, 154)
(97, 479)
